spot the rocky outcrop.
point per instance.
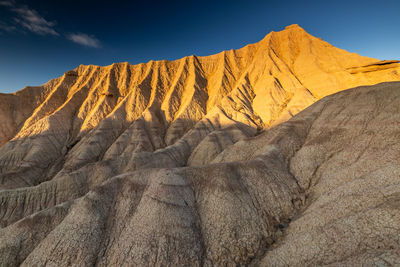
(193, 162)
(377, 66)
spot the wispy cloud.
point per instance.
(7, 27)
(84, 39)
(28, 18)
(6, 3)
(31, 20)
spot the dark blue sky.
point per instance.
(40, 40)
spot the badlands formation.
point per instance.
(203, 161)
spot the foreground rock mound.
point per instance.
(191, 162)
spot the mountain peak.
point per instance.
(293, 26)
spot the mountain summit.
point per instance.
(194, 161)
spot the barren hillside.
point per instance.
(195, 161)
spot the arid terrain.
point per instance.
(285, 152)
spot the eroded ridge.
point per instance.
(194, 161)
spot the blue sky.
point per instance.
(40, 40)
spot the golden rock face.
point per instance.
(269, 81)
(91, 163)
